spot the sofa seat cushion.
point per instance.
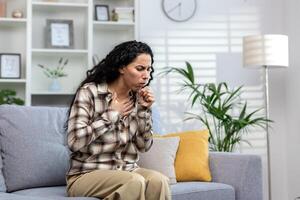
(58, 192)
(180, 191)
(202, 191)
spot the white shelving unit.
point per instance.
(12, 80)
(27, 36)
(12, 21)
(59, 4)
(13, 39)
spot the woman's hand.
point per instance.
(146, 97)
(124, 108)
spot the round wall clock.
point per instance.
(179, 10)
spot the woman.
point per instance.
(109, 122)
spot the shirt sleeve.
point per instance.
(144, 140)
(83, 129)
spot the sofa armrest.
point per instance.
(242, 171)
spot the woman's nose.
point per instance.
(146, 75)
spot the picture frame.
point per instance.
(59, 33)
(102, 13)
(10, 65)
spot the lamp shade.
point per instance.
(265, 50)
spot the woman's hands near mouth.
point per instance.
(146, 97)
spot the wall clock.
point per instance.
(179, 10)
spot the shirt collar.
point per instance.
(102, 89)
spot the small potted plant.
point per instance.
(55, 73)
(8, 96)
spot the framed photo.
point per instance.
(10, 65)
(101, 12)
(59, 34)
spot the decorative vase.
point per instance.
(54, 85)
(17, 14)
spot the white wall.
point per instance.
(292, 24)
(229, 20)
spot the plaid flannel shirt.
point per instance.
(99, 138)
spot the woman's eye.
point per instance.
(142, 68)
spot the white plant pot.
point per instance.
(55, 85)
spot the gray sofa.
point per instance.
(34, 160)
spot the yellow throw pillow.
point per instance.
(192, 162)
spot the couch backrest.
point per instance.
(33, 146)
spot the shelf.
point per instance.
(110, 25)
(12, 80)
(59, 4)
(59, 51)
(52, 93)
(13, 21)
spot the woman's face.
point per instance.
(137, 74)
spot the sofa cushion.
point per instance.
(2, 182)
(161, 157)
(10, 196)
(202, 191)
(156, 120)
(57, 193)
(32, 141)
(180, 191)
(192, 158)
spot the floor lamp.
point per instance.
(267, 51)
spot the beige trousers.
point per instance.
(140, 184)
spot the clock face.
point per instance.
(179, 10)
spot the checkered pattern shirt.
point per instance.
(99, 138)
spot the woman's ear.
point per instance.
(121, 70)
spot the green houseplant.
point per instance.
(217, 107)
(8, 96)
(55, 73)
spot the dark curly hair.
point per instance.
(123, 54)
(107, 70)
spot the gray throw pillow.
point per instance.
(161, 157)
(2, 182)
(33, 146)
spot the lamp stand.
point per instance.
(267, 129)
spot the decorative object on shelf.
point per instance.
(54, 86)
(59, 33)
(268, 51)
(10, 65)
(2, 8)
(219, 105)
(8, 96)
(114, 16)
(125, 14)
(17, 13)
(179, 11)
(101, 12)
(55, 73)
